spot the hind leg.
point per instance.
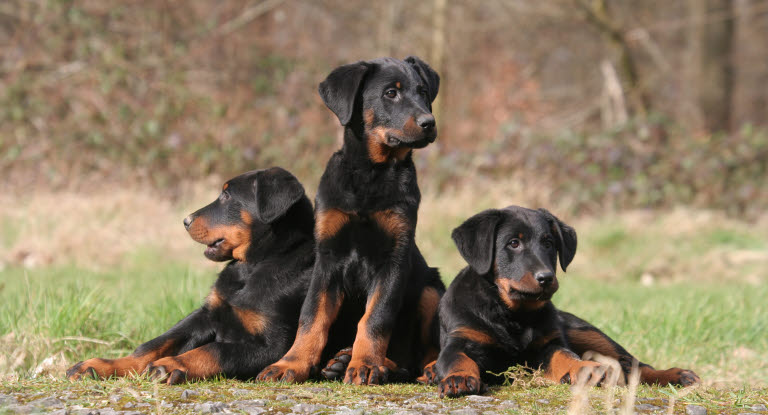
(583, 337)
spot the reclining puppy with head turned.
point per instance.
(370, 277)
(497, 313)
(263, 224)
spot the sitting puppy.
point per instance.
(263, 223)
(497, 313)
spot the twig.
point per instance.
(247, 16)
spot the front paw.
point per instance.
(429, 375)
(366, 374)
(453, 386)
(171, 370)
(83, 369)
(337, 366)
(682, 377)
(587, 373)
(283, 372)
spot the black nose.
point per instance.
(545, 278)
(426, 121)
(187, 221)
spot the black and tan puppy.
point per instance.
(263, 223)
(370, 277)
(497, 313)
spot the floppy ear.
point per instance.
(427, 74)
(340, 88)
(276, 191)
(476, 238)
(566, 238)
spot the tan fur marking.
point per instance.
(308, 347)
(394, 224)
(125, 366)
(226, 185)
(378, 150)
(398, 85)
(213, 300)
(463, 366)
(329, 223)
(366, 349)
(471, 334)
(197, 363)
(562, 363)
(428, 303)
(253, 322)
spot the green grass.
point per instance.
(712, 320)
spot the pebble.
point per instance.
(343, 410)
(115, 397)
(543, 401)
(647, 407)
(188, 393)
(509, 404)
(281, 397)
(425, 406)
(306, 408)
(49, 402)
(759, 407)
(465, 411)
(695, 410)
(6, 400)
(254, 407)
(210, 407)
(320, 390)
(479, 398)
(406, 413)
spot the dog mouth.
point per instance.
(213, 250)
(427, 139)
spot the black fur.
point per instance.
(250, 318)
(366, 210)
(497, 313)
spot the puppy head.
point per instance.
(518, 248)
(391, 99)
(244, 211)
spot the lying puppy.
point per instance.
(263, 223)
(497, 313)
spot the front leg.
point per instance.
(368, 365)
(193, 330)
(458, 373)
(563, 366)
(321, 306)
(238, 360)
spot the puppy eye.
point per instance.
(514, 244)
(390, 93)
(547, 244)
(423, 91)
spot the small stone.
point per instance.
(210, 407)
(543, 401)
(465, 411)
(759, 407)
(647, 407)
(425, 406)
(509, 404)
(306, 408)
(348, 411)
(49, 402)
(281, 397)
(695, 410)
(479, 398)
(115, 397)
(407, 413)
(240, 392)
(320, 390)
(129, 405)
(143, 405)
(490, 413)
(747, 413)
(188, 393)
(7, 400)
